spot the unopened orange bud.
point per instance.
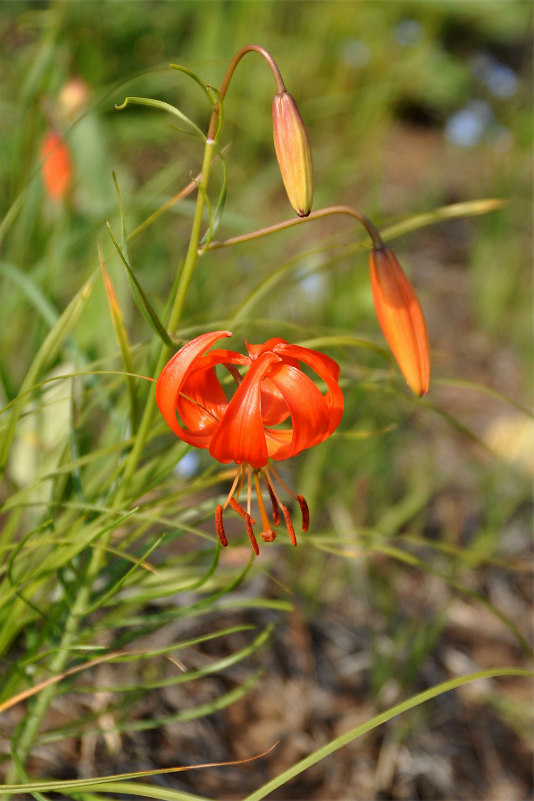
(293, 152)
(57, 169)
(73, 98)
(401, 318)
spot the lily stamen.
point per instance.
(274, 499)
(268, 534)
(252, 538)
(285, 511)
(289, 524)
(219, 528)
(304, 511)
(239, 475)
(301, 500)
(236, 506)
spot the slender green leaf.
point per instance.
(34, 294)
(123, 342)
(160, 104)
(140, 298)
(216, 666)
(470, 208)
(193, 713)
(197, 80)
(374, 722)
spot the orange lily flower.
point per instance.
(401, 318)
(246, 429)
(57, 169)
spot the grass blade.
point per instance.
(140, 298)
(122, 340)
(160, 104)
(378, 720)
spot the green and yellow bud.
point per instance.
(293, 152)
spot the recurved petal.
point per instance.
(273, 406)
(171, 382)
(202, 384)
(310, 416)
(327, 369)
(240, 437)
(401, 318)
(201, 401)
(256, 350)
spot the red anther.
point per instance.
(240, 511)
(219, 526)
(276, 512)
(252, 538)
(268, 536)
(305, 512)
(289, 525)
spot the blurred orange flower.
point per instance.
(57, 165)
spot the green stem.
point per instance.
(174, 318)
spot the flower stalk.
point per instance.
(318, 214)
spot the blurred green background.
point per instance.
(410, 106)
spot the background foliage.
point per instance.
(416, 569)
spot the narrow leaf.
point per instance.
(140, 298)
(378, 720)
(33, 293)
(148, 101)
(205, 88)
(122, 340)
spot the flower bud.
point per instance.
(401, 318)
(57, 169)
(293, 152)
(73, 98)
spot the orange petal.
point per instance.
(241, 436)
(171, 382)
(310, 417)
(327, 369)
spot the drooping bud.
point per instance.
(401, 318)
(73, 98)
(293, 152)
(57, 169)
